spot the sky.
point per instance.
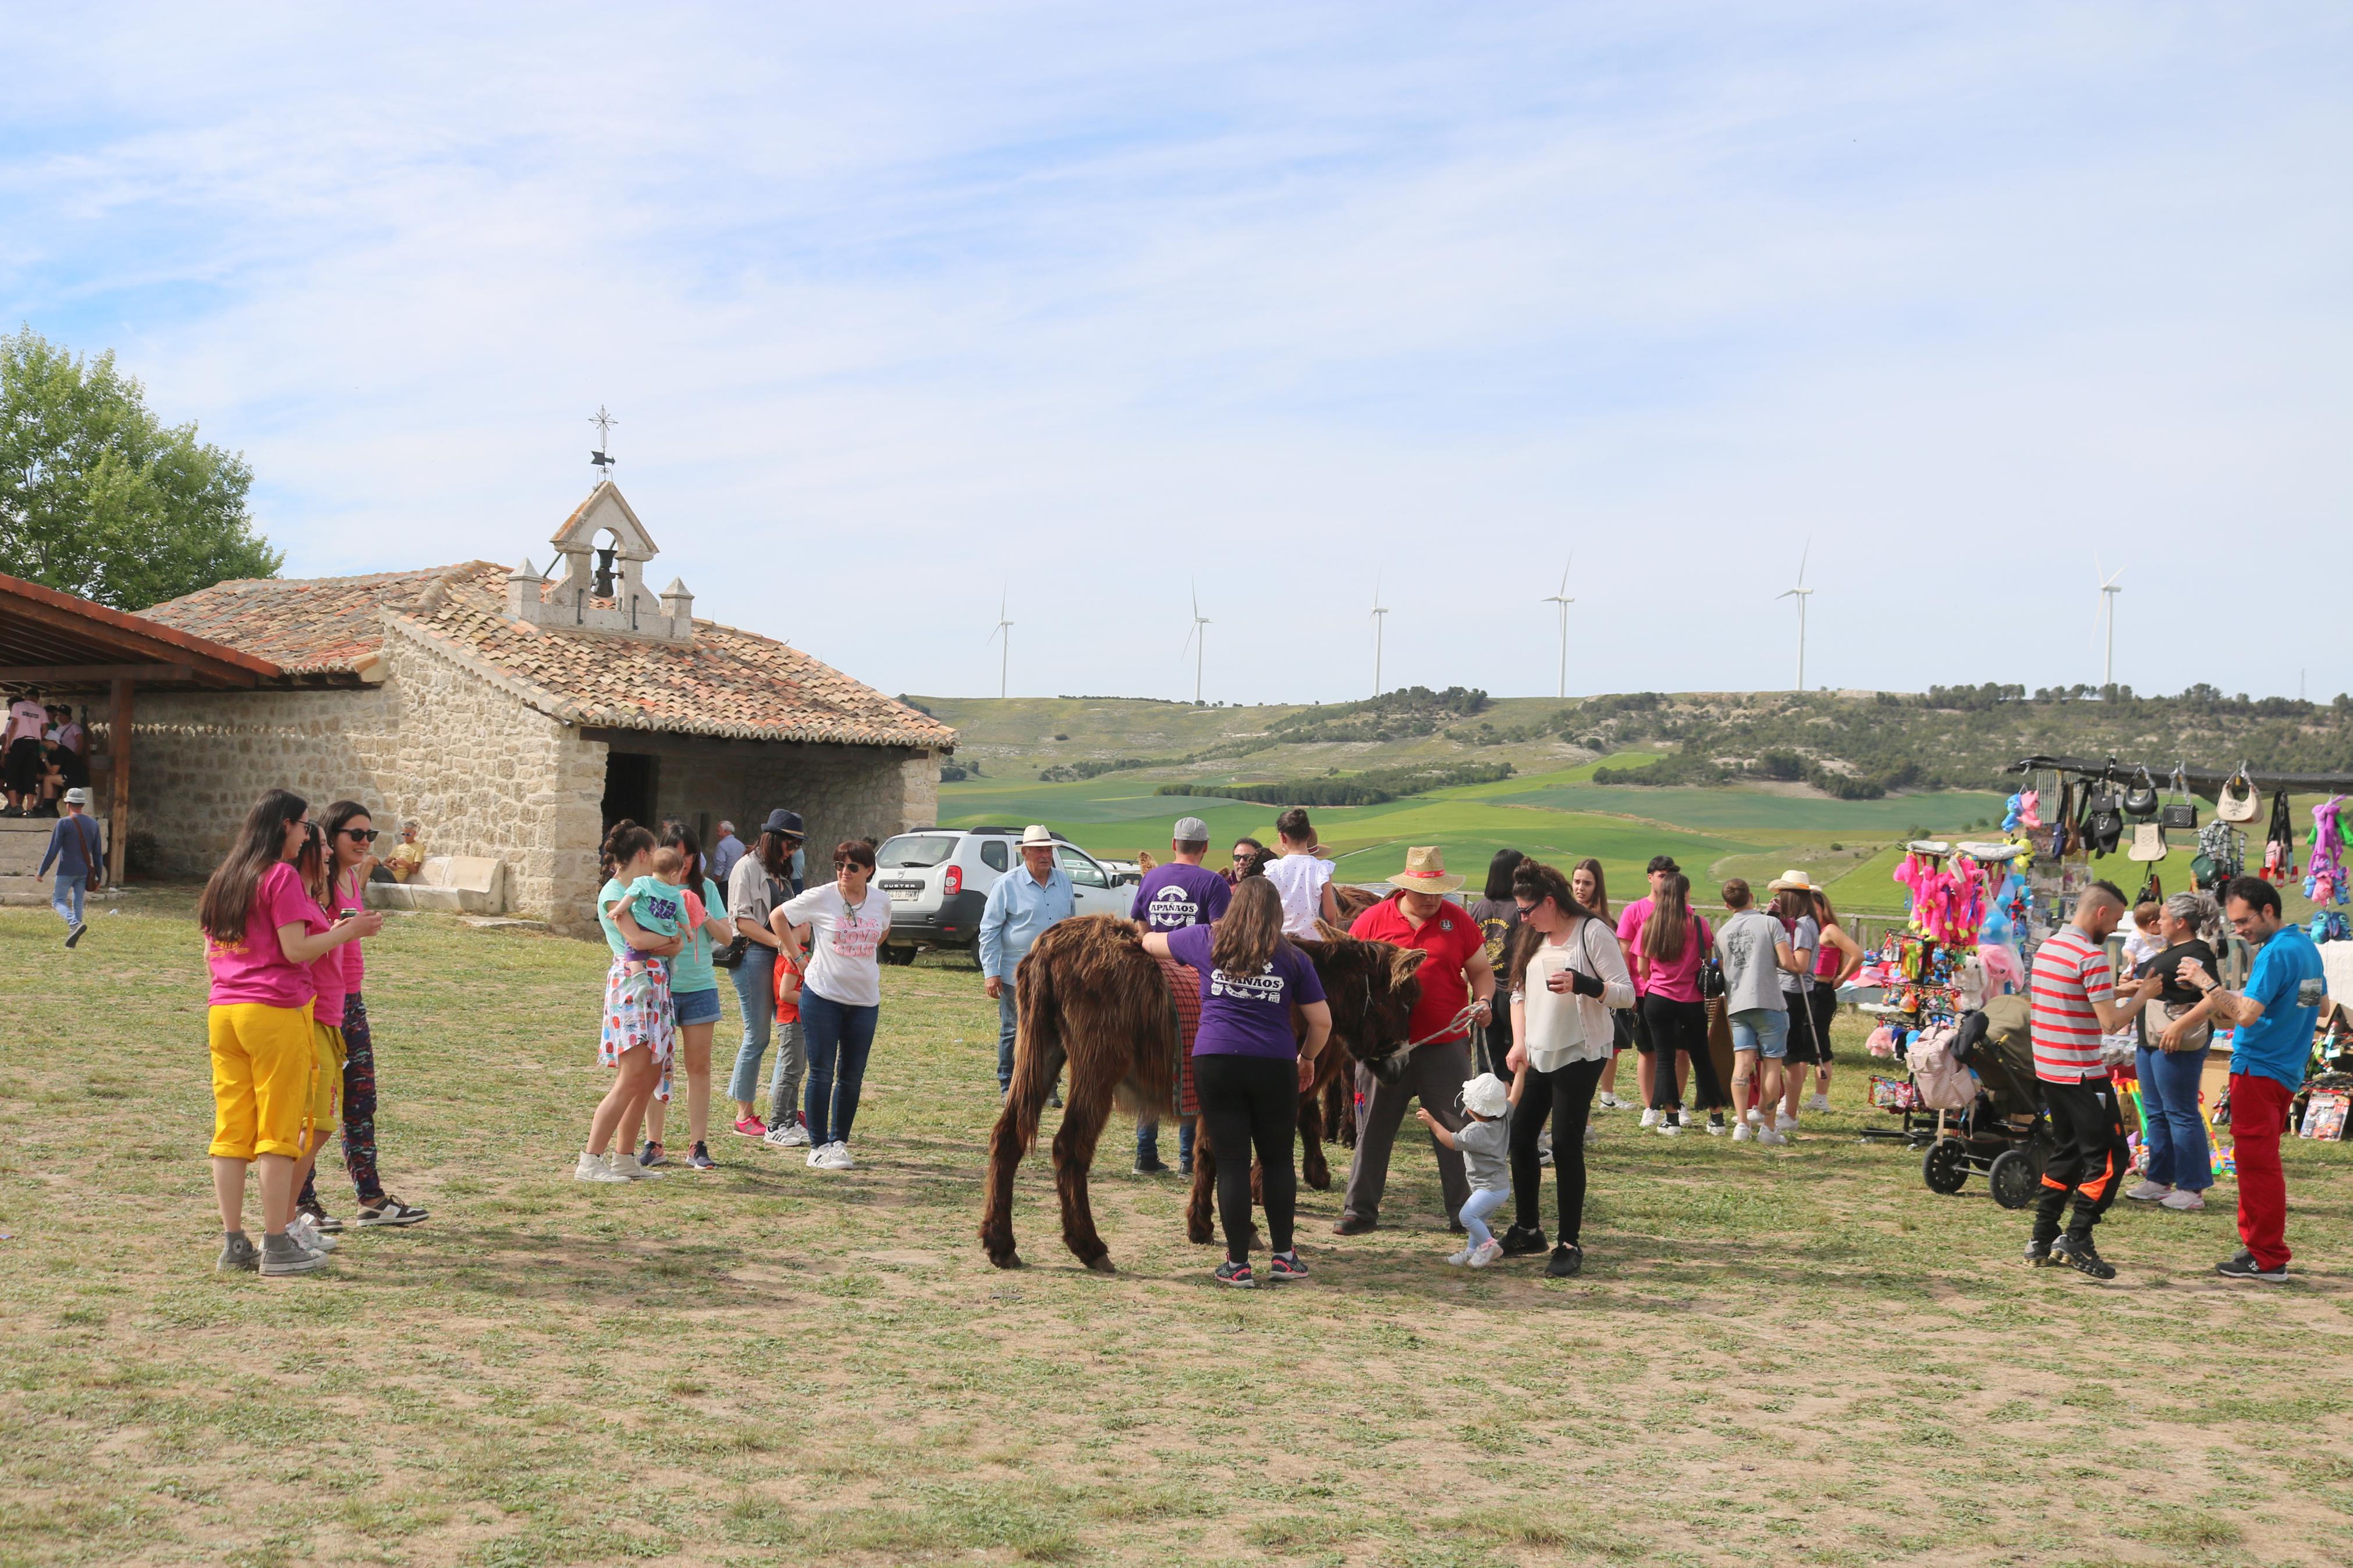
(905, 310)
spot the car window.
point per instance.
(914, 850)
(1081, 872)
(994, 855)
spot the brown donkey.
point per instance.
(1092, 999)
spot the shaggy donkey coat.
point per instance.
(1092, 999)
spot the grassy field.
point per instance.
(1788, 1356)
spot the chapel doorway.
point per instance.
(631, 778)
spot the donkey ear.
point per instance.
(1330, 932)
(1402, 966)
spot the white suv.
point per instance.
(938, 878)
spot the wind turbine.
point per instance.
(1801, 594)
(2109, 588)
(1380, 626)
(1564, 601)
(1005, 657)
(1196, 641)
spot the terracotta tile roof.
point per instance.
(727, 682)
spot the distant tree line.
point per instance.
(1374, 786)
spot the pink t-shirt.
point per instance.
(352, 895)
(1676, 981)
(27, 719)
(256, 969)
(329, 978)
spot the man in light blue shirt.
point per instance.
(726, 853)
(1025, 902)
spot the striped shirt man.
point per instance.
(2069, 972)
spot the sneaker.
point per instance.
(2151, 1192)
(649, 1154)
(2245, 1266)
(1715, 1123)
(74, 935)
(836, 1157)
(2082, 1257)
(306, 1232)
(590, 1168)
(1784, 1122)
(328, 1224)
(816, 1155)
(284, 1254)
(1352, 1224)
(1463, 1256)
(1817, 1102)
(1593, 1132)
(1286, 1266)
(389, 1210)
(1521, 1241)
(1769, 1139)
(1755, 1117)
(789, 1135)
(1567, 1262)
(1236, 1274)
(1650, 1117)
(751, 1127)
(1670, 1130)
(628, 1170)
(1151, 1165)
(1609, 1102)
(2182, 1201)
(1484, 1254)
(237, 1255)
(699, 1159)
(1743, 1133)
(2038, 1253)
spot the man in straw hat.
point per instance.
(1793, 905)
(1458, 988)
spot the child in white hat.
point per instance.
(1485, 1144)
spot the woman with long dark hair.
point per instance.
(351, 835)
(262, 931)
(1498, 919)
(694, 1002)
(1249, 1069)
(1793, 906)
(640, 1032)
(841, 991)
(1567, 979)
(1839, 962)
(1667, 958)
(1590, 887)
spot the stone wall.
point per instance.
(842, 792)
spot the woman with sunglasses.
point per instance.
(351, 850)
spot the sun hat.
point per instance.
(1662, 863)
(1424, 871)
(1791, 881)
(1190, 830)
(1487, 1096)
(1036, 836)
(76, 797)
(785, 822)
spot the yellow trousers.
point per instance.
(265, 1059)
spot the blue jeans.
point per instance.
(1482, 1201)
(1008, 1019)
(2170, 1125)
(67, 898)
(755, 990)
(841, 1037)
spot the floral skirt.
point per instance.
(638, 1012)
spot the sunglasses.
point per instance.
(365, 834)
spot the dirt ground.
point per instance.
(1797, 1355)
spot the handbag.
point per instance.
(732, 955)
(2161, 1016)
(2148, 841)
(2239, 800)
(1712, 987)
(2140, 798)
(2180, 813)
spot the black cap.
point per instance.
(1663, 863)
(785, 822)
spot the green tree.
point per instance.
(99, 497)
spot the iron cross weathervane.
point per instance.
(602, 458)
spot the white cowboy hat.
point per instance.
(1036, 836)
(1424, 871)
(1789, 881)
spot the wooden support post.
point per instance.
(119, 784)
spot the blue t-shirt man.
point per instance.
(2288, 982)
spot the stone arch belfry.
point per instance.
(571, 600)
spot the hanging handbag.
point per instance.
(2239, 799)
(2140, 799)
(2180, 813)
(2148, 841)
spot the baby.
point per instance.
(1485, 1144)
(660, 906)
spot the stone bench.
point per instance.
(452, 884)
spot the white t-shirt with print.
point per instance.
(1300, 878)
(841, 965)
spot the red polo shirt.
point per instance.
(1451, 937)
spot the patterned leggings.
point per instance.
(359, 1108)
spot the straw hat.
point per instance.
(1791, 881)
(1037, 837)
(1424, 871)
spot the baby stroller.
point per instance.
(1978, 1106)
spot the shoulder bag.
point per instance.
(2140, 796)
(2239, 800)
(2180, 813)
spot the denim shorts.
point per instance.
(1765, 1030)
(696, 1006)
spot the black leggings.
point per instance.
(1565, 1095)
(1679, 1027)
(1250, 1104)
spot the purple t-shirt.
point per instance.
(1174, 896)
(1248, 1016)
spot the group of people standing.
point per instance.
(44, 753)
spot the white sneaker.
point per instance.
(1484, 1254)
(1743, 1133)
(1784, 1122)
(1670, 1130)
(836, 1157)
(590, 1168)
(1770, 1139)
(816, 1155)
(1755, 1117)
(1609, 1102)
(305, 1229)
(1593, 1133)
(2151, 1192)
(2182, 1201)
(1650, 1117)
(790, 1135)
(625, 1167)
(1463, 1256)
(1819, 1101)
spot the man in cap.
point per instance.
(1458, 988)
(1027, 899)
(1180, 893)
(758, 882)
(74, 850)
